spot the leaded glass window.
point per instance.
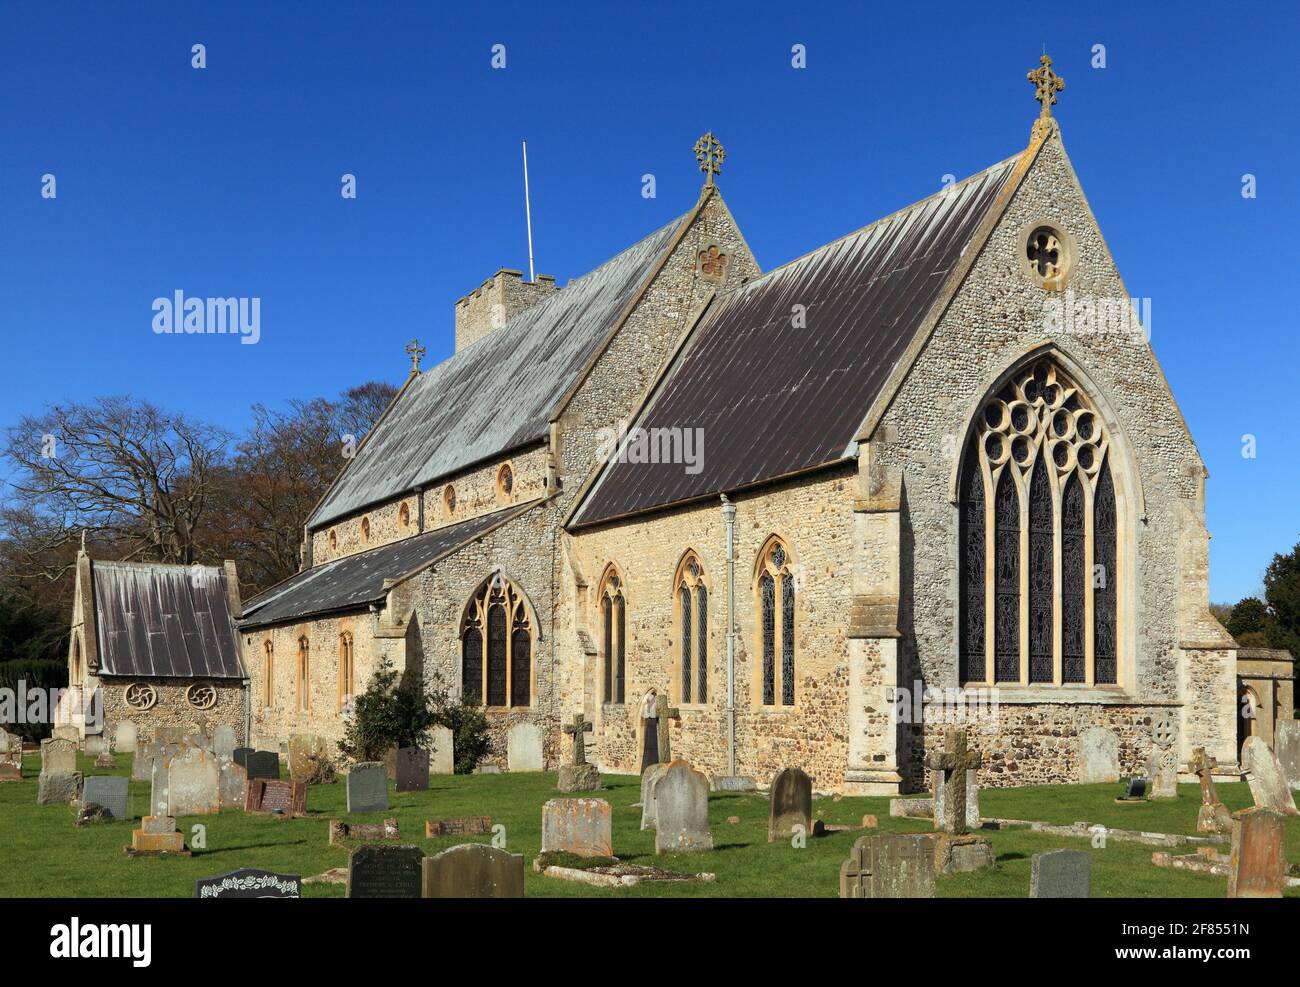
(1042, 451)
(614, 620)
(702, 644)
(684, 603)
(777, 649)
(693, 609)
(496, 647)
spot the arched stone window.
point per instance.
(692, 605)
(365, 530)
(347, 671)
(613, 623)
(775, 589)
(304, 675)
(268, 675)
(404, 515)
(497, 646)
(1038, 537)
(505, 483)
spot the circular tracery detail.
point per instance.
(140, 695)
(201, 696)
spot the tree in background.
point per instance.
(1282, 592)
(1248, 623)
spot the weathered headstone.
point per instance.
(125, 737)
(578, 775)
(157, 835)
(271, 795)
(892, 866)
(1268, 785)
(233, 780)
(240, 754)
(582, 827)
(1287, 738)
(60, 781)
(11, 756)
(305, 749)
(194, 783)
(368, 787)
(58, 756)
(681, 797)
(1061, 874)
(464, 826)
(524, 747)
(224, 740)
(105, 762)
(664, 715)
(249, 883)
(412, 769)
(94, 746)
(649, 777)
(791, 805)
(142, 760)
(341, 832)
(939, 801)
(1135, 790)
(109, 791)
(474, 870)
(442, 760)
(1258, 866)
(262, 764)
(1098, 756)
(66, 732)
(1214, 816)
(380, 871)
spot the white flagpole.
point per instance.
(528, 213)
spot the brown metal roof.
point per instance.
(774, 398)
(170, 621)
(356, 581)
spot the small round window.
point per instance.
(1047, 255)
(505, 481)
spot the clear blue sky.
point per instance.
(225, 181)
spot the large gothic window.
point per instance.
(693, 613)
(613, 617)
(1038, 540)
(496, 647)
(776, 606)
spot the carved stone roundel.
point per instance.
(201, 696)
(1163, 730)
(140, 695)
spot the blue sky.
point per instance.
(225, 180)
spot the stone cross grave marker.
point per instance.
(1214, 816)
(1061, 874)
(791, 805)
(1163, 766)
(954, 761)
(664, 713)
(578, 776)
(474, 870)
(1258, 866)
(577, 729)
(891, 866)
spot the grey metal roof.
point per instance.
(164, 620)
(358, 580)
(498, 393)
(774, 398)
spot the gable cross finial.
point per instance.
(416, 352)
(1046, 85)
(710, 154)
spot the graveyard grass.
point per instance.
(48, 856)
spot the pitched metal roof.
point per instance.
(773, 397)
(496, 394)
(356, 581)
(164, 620)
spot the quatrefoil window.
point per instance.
(1047, 256)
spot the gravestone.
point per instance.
(1061, 874)
(681, 796)
(368, 787)
(125, 737)
(582, 827)
(271, 795)
(249, 883)
(1268, 785)
(791, 804)
(11, 756)
(379, 871)
(60, 781)
(442, 759)
(193, 783)
(105, 762)
(58, 756)
(956, 850)
(893, 866)
(464, 826)
(1214, 816)
(664, 715)
(412, 765)
(341, 832)
(94, 746)
(524, 747)
(1098, 756)
(66, 732)
(578, 775)
(1162, 767)
(474, 870)
(233, 780)
(304, 750)
(937, 804)
(142, 761)
(262, 764)
(240, 754)
(649, 777)
(1287, 739)
(1258, 865)
(224, 740)
(1135, 790)
(108, 791)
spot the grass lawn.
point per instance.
(46, 856)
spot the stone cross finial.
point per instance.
(664, 713)
(416, 352)
(577, 728)
(1046, 85)
(710, 154)
(954, 762)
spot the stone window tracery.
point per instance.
(693, 612)
(496, 647)
(776, 604)
(613, 612)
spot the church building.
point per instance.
(932, 466)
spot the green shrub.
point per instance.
(390, 713)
